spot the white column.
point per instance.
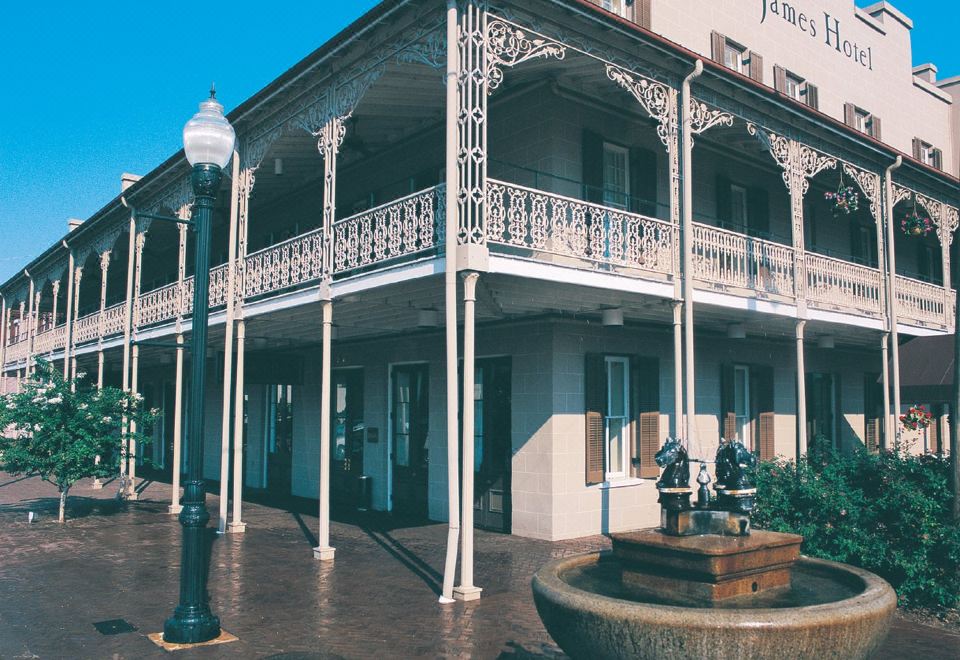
(175, 507)
(467, 590)
(68, 322)
(141, 239)
(801, 393)
(892, 300)
(237, 525)
(30, 325)
(450, 296)
(323, 551)
(678, 420)
(78, 276)
(104, 271)
(53, 320)
(3, 340)
(127, 329)
(228, 349)
(887, 426)
(693, 444)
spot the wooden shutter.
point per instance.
(755, 69)
(717, 44)
(595, 389)
(728, 413)
(875, 127)
(592, 148)
(917, 148)
(850, 114)
(758, 211)
(643, 182)
(761, 390)
(933, 433)
(779, 78)
(648, 414)
(813, 95)
(723, 199)
(938, 159)
(641, 13)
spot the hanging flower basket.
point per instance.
(917, 418)
(915, 224)
(845, 201)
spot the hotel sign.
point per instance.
(828, 30)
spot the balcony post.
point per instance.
(678, 420)
(892, 298)
(125, 384)
(53, 320)
(3, 340)
(30, 324)
(452, 207)
(135, 360)
(68, 321)
(77, 277)
(945, 234)
(885, 356)
(693, 444)
(228, 347)
(101, 321)
(467, 590)
(175, 508)
(801, 393)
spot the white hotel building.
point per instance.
(563, 125)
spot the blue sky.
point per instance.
(93, 89)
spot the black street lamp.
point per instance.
(208, 141)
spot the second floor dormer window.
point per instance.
(861, 120)
(927, 154)
(618, 7)
(735, 56)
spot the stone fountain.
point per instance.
(705, 585)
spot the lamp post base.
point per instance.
(192, 625)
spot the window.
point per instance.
(861, 120)
(617, 417)
(793, 87)
(616, 176)
(739, 215)
(927, 154)
(618, 7)
(733, 56)
(741, 404)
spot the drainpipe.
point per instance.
(686, 173)
(892, 298)
(450, 298)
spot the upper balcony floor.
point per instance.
(569, 167)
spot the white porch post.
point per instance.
(141, 238)
(237, 525)
(175, 507)
(452, 207)
(131, 249)
(467, 590)
(892, 298)
(887, 427)
(693, 444)
(323, 551)
(945, 234)
(31, 323)
(801, 392)
(77, 277)
(228, 348)
(678, 421)
(101, 328)
(53, 320)
(68, 321)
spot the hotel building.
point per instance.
(637, 243)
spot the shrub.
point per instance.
(889, 513)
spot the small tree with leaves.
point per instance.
(56, 428)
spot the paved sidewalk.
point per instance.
(121, 561)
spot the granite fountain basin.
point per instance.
(829, 610)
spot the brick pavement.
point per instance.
(115, 560)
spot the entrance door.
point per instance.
(492, 445)
(278, 438)
(346, 434)
(821, 411)
(409, 423)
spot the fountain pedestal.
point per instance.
(700, 570)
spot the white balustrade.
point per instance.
(729, 259)
(43, 342)
(920, 302)
(401, 228)
(159, 305)
(17, 351)
(87, 328)
(526, 218)
(840, 284)
(114, 320)
(290, 263)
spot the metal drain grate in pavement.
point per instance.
(114, 627)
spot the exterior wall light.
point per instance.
(612, 317)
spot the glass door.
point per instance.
(409, 418)
(278, 438)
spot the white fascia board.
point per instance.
(553, 273)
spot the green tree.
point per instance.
(56, 428)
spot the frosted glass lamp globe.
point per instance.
(208, 138)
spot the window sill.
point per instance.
(619, 483)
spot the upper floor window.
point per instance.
(618, 7)
(616, 175)
(927, 154)
(861, 120)
(735, 56)
(796, 87)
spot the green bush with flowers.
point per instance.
(56, 429)
(889, 513)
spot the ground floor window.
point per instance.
(741, 395)
(822, 405)
(617, 419)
